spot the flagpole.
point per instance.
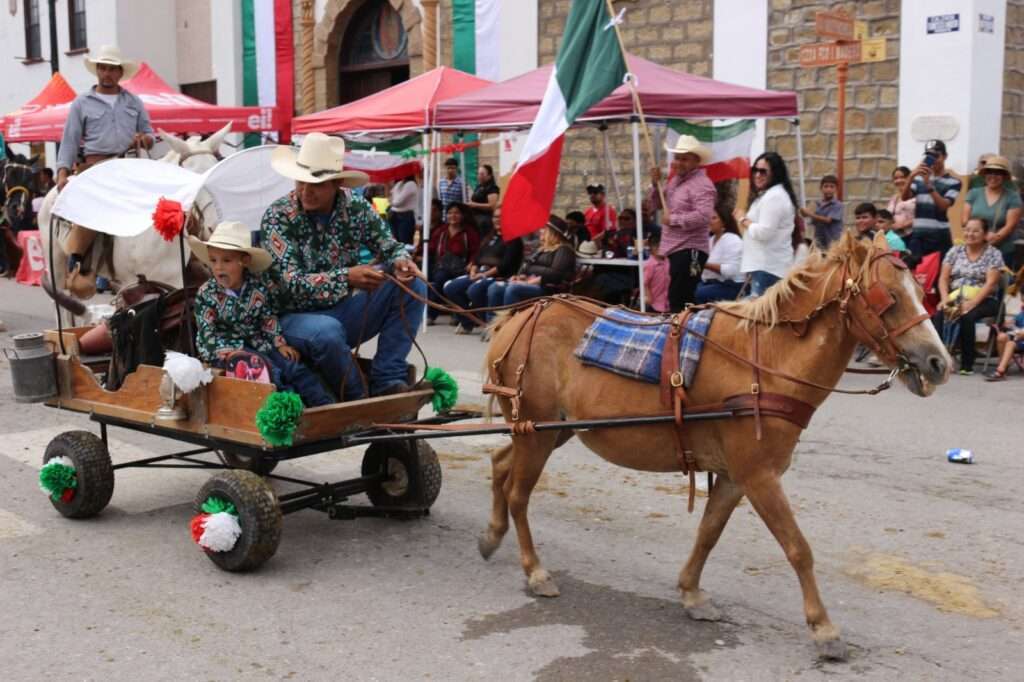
(638, 107)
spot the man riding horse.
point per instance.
(107, 121)
(320, 237)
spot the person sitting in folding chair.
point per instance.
(1010, 342)
(968, 289)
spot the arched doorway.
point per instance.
(374, 52)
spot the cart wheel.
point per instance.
(93, 470)
(413, 474)
(257, 465)
(259, 515)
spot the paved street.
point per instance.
(919, 561)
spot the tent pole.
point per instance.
(611, 166)
(638, 213)
(428, 197)
(800, 161)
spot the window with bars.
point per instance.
(33, 43)
(76, 25)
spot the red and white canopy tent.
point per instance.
(406, 109)
(665, 95)
(56, 94)
(168, 109)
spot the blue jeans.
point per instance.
(514, 292)
(760, 280)
(438, 278)
(712, 290)
(297, 377)
(467, 293)
(327, 336)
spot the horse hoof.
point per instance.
(487, 545)
(542, 584)
(832, 650)
(706, 611)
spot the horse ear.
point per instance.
(174, 142)
(214, 142)
(881, 242)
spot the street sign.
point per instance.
(826, 54)
(838, 25)
(872, 50)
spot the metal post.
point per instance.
(428, 197)
(54, 63)
(637, 190)
(841, 71)
(800, 161)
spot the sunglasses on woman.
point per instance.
(759, 171)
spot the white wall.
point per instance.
(145, 31)
(957, 74)
(745, 23)
(518, 49)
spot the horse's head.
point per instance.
(194, 153)
(19, 188)
(882, 304)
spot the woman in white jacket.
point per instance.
(768, 224)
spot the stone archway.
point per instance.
(330, 31)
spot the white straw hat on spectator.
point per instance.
(110, 55)
(319, 159)
(688, 144)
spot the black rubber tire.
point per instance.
(261, 466)
(413, 474)
(93, 470)
(259, 515)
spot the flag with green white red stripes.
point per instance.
(729, 143)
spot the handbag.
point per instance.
(451, 262)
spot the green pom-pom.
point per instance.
(215, 505)
(446, 391)
(279, 417)
(56, 476)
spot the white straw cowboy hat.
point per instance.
(688, 144)
(588, 249)
(319, 159)
(231, 236)
(109, 54)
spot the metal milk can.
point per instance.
(33, 370)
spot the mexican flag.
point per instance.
(729, 144)
(590, 64)
(268, 61)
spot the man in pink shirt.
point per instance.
(691, 200)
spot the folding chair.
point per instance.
(995, 324)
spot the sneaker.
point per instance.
(966, 372)
(462, 331)
(995, 376)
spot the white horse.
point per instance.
(146, 254)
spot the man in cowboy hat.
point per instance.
(107, 121)
(691, 198)
(314, 235)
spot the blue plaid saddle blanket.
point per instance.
(635, 351)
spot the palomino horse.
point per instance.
(806, 326)
(147, 254)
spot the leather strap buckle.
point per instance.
(755, 389)
(676, 379)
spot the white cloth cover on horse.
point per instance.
(118, 197)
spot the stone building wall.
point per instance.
(670, 32)
(872, 99)
(1012, 143)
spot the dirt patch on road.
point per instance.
(949, 592)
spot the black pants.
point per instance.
(987, 308)
(684, 277)
(922, 242)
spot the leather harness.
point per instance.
(862, 300)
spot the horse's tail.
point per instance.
(66, 301)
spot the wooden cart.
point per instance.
(400, 474)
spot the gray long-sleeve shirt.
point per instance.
(100, 128)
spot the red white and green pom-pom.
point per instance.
(58, 479)
(216, 529)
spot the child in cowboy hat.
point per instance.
(235, 312)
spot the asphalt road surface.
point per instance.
(919, 560)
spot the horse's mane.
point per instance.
(818, 265)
